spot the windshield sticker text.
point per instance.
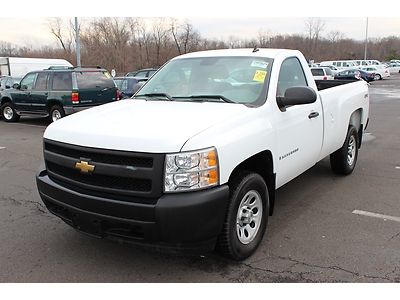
(259, 64)
(260, 75)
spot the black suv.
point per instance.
(56, 92)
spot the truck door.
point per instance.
(299, 127)
(40, 93)
(21, 97)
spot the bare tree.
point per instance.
(186, 38)
(58, 30)
(314, 28)
(335, 36)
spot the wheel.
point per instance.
(56, 113)
(8, 112)
(377, 77)
(344, 160)
(246, 217)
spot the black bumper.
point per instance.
(190, 221)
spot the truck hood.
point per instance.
(139, 125)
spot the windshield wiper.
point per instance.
(217, 97)
(156, 95)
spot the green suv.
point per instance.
(56, 92)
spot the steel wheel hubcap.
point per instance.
(8, 113)
(249, 216)
(56, 115)
(351, 150)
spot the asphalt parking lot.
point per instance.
(325, 228)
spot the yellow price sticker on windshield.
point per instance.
(260, 76)
(107, 74)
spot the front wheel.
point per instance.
(343, 161)
(377, 77)
(8, 112)
(246, 218)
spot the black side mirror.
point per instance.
(7, 86)
(296, 96)
(16, 86)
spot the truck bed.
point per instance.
(326, 84)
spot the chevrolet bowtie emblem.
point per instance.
(84, 167)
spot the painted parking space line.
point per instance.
(1, 148)
(375, 215)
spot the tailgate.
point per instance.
(95, 87)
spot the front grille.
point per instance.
(112, 182)
(126, 176)
(145, 162)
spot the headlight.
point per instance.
(191, 170)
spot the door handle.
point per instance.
(314, 114)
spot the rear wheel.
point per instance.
(377, 77)
(344, 160)
(56, 113)
(8, 112)
(246, 218)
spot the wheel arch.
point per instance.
(355, 120)
(261, 163)
(5, 99)
(50, 103)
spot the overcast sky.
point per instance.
(212, 18)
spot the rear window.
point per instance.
(122, 84)
(317, 72)
(93, 80)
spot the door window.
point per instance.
(28, 81)
(290, 75)
(42, 82)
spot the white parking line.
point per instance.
(1, 148)
(375, 215)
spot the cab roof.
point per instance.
(260, 52)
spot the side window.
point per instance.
(28, 81)
(290, 75)
(62, 81)
(42, 82)
(142, 74)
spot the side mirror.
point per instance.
(7, 86)
(16, 86)
(297, 96)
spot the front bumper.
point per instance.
(190, 221)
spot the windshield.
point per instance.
(222, 79)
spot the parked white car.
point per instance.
(339, 64)
(380, 73)
(394, 68)
(322, 73)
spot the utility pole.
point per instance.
(77, 43)
(366, 40)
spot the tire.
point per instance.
(8, 112)
(343, 161)
(377, 77)
(56, 113)
(243, 230)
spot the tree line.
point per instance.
(127, 44)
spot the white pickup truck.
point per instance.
(194, 159)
